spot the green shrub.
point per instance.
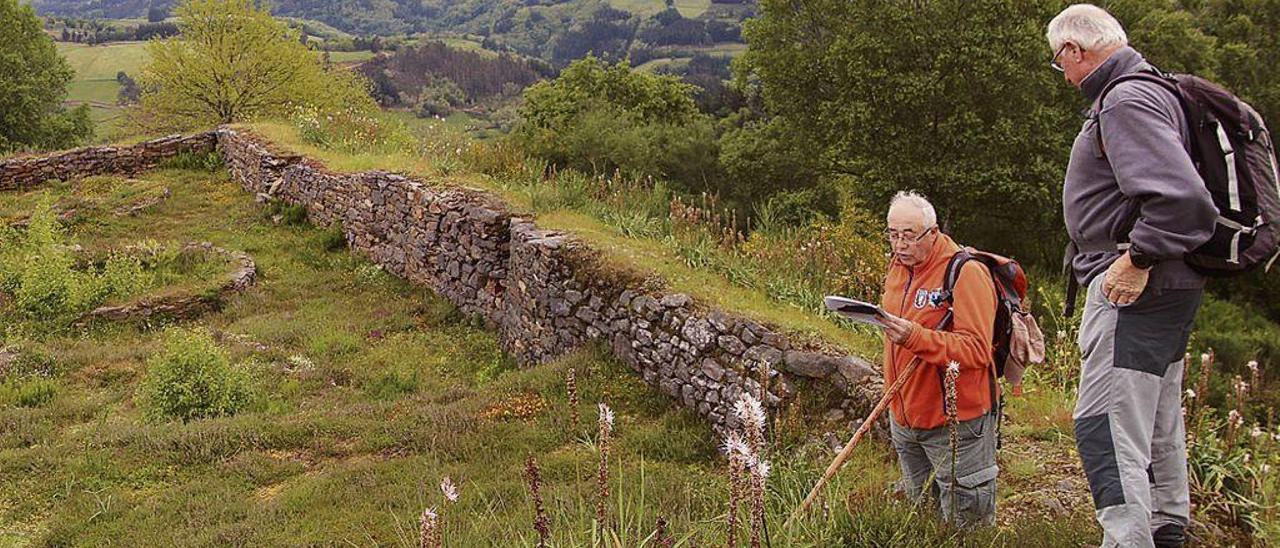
(40, 270)
(289, 214)
(1237, 332)
(192, 378)
(30, 393)
(125, 275)
(391, 384)
(333, 238)
(196, 161)
(598, 118)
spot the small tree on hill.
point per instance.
(233, 62)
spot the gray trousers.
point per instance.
(1128, 418)
(925, 455)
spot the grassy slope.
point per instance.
(631, 253)
(348, 450)
(350, 56)
(402, 391)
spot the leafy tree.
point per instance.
(600, 117)
(950, 97)
(156, 14)
(33, 86)
(439, 98)
(765, 157)
(234, 62)
(550, 104)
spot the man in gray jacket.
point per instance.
(1134, 205)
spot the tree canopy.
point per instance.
(953, 98)
(599, 117)
(233, 62)
(34, 86)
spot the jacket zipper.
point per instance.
(902, 313)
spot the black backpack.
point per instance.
(1235, 156)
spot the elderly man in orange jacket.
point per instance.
(915, 307)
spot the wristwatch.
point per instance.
(1141, 259)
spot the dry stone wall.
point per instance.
(30, 171)
(544, 292)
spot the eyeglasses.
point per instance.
(908, 236)
(1053, 61)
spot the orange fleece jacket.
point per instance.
(911, 293)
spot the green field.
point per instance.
(95, 79)
(350, 56)
(687, 8)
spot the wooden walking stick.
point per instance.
(857, 436)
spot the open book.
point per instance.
(855, 310)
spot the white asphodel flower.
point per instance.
(606, 415)
(1252, 365)
(735, 445)
(449, 489)
(762, 468)
(954, 367)
(1191, 394)
(750, 411)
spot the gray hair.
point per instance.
(915, 199)
(1087, 26)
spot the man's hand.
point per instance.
(1124, 282)
(897, 329)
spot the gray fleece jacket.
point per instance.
(1147, 173)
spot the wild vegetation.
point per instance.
(334, 400)
(234, 62)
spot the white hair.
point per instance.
(1087, 26)
(918, 201)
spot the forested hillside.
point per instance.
(548, 29)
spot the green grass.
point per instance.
(350, 56)
(346, 448)
(465, 44)
(367, 392)
(95, 79)
(631, 253)
(687, 8)
(653, 65)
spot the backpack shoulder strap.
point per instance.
(949, 280)
(1153, 75)
(952, 274)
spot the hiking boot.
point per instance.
(1169, 535)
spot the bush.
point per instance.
(196, 161)
(29, 393)
(1237, 333)
(192, 378)
(40, 270)
(600, 118)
